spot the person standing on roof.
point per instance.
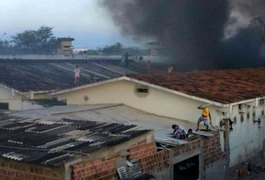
(204, 117)
(77, 75)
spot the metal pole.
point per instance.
(227, 147)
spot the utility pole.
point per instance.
(227, 146)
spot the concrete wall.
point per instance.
(26, 105)
(216, 170)
(37, 95)
(157, 102)
(11, 97)
(34, 57)
(153, 59)
(247, 137)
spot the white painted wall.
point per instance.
(246, 139)
(27, 105)
(11, 97)
(156, 102)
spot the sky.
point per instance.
(84, 20)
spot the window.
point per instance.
(142, 90)
(254, 115)
(235, 120)
(262, 112)
(261, 102)
(86, 98)
(187, 169)
(241, 117)
(240, 106)
(248, 116)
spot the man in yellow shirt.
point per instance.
(204, 117)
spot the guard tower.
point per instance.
(65, 46)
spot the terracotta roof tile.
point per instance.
(224, 86)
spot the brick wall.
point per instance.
(12, 170)
(149, 159)
(100, 168)
(192, 145)
(105, 168)
(212, 149)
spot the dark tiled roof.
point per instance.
(56, 142)
(224, 86)
(37, 77)
(28, 76)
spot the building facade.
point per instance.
(246, 114)
(10, 99)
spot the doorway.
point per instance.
(187, 169)
(4, 106)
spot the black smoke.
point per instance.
(191, 31)
(240, 51)
(242, 12)
(249, 8)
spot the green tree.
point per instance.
(5, 47)
(39, 41)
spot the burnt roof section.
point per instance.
(223, 86)
(54, 143)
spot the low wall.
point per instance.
(12, 170)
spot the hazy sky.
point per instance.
(84, 20)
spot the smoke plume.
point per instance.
(192, 32)
(242, 12)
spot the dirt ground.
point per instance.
(253, 169)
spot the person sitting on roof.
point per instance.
(190, 134)
(179, 131)
(77, 75)
(204, 117)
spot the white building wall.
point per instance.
(9, 96)
(247, 136)
(157, 101)
(26, 105)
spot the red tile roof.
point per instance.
(223, 86)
